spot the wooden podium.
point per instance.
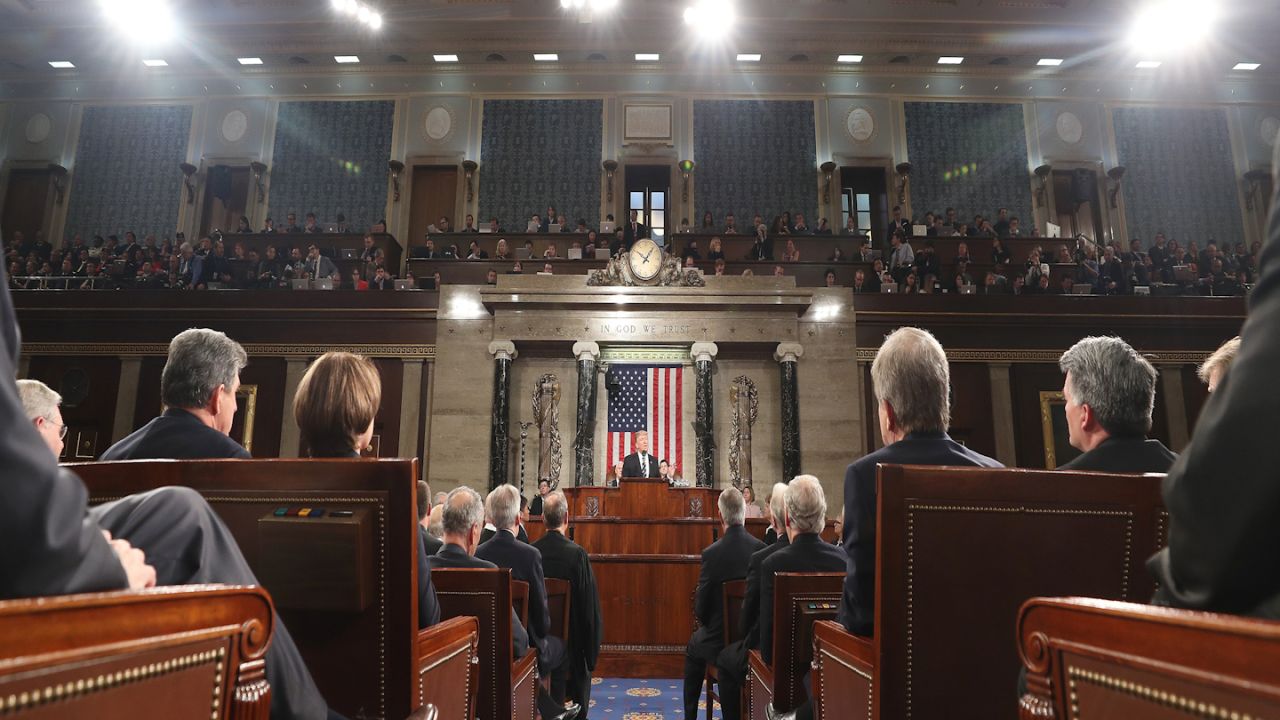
(642, 498)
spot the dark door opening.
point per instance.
(24, 203)
(1077, 206)
(226, 197)
(864, 197)
(649, 194)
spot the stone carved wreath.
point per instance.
(744, 404)
(546, 413)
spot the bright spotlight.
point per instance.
(711, 16)
(339, 5)
(375, 20)
(1189, 21)
(148, 19)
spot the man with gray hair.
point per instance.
(1215, 367)
(912, 384)
(564, 559)
(805, 516)
(724, 560)
(732, 661)
(40, 403)
(1111, 392)
(198, 388)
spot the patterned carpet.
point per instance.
(634, 699)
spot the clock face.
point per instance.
(645, 259)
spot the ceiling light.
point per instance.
(950, 60)
(346, 59)
(1239, 66)
(155, 62)
(140, 18)
(375, 20)
(1050, 62)
(849, 59)
(61, 64)
(1190, 21)
(748, 57)
(249, 61)
(1148, 64)
(445, 58)
(713, 18)
(648, 57)
(546, 57)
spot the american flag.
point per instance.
(646, 397)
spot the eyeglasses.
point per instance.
(62, 431)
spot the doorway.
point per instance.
(649, 194)
(1077, 206)
(24, 203)
(864, 197)
(434, 193)
(226, 198)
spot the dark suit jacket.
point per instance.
(857, 608)
(535, 505)
(486, 535)
(749, 625)
(563, 559)
(1223, 505)
(725, 559)
(525, 563)
(48, 546)
(176, 434)
(631, 466)
(629, 236)
(807, 553)
(761, 251)
(430, 542)
(1125, 455)
(454, 556)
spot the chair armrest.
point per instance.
(426, 712)
(759, 685)
(447, 667)
(524, 687)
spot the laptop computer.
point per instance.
(300, 284)
(968, 289)
(322, 284)
(1053, 231)
(532, 227)
(349, 254)
(331, 228)
(607, 228)
(603, 254)
(523, 253)
(486, 229)
(919, 230)
(1085, 289)
(404, 284)
(1141, 289)
(553, 228)
(889, 288)
(1182, 273)
(575, 253)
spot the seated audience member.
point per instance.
(823, 228)
(851, 225)
(912, 384)
(762, 248)
(902, 257)
(463, 523)
(355, 282)
(715, 249)
(1000, 255)
(52, 543)
(708, 224)
(309, 224)
(525, 563)
(318, 266)
(864, 284)
(1214, 369)
(470, 225)
(730, 225)
(800, 228)
(382, 280)
(198, 387)
(503, 251)
(830, 278)
(691, 250)
(719, 267)
(244, 228)
(837, 255)
(910, 284)
(1111, 391)
(544, 489)
(614, 477)
(752, 508)
(431, 542)
(1003, 223)
(565, 560)
(779, 271)
(268, 227)
(805, 517)
(475, 252)
(790, 253)
(1112, 278)
(724, 560)
(1015, 228)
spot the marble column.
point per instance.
(1002, 413)
(290, 436)
(788, 355)
(503, 352)
(1175, 407)
(584, 444)
(126, 397)
(704, 355)
(410, 408)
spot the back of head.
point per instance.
(439, 498)
(1117, 383)
(199, 361)
(503, 506)
(424, 500)
(806, 504)
(733, 509)
(336, 402)
(1217, 363)
(435, 525)
(911, 374)
(778, 503)
(463, 510)
(38, 399)
(555, 507)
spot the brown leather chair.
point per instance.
(800, 600)
(1104, 660)
(520, 600)
(733, 592)
(155, 653)
(558, 604)
(841, 675)
(449, 667)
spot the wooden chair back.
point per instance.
(734, 592)
(960, 549)
(558, 604)
(344, 582)
(520, 600)
(155, 653)
(507, 684)
(449, 667)
(1121, 661)
(800, 600)
(842, 674)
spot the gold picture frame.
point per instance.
(247, 398)
(1053, 426)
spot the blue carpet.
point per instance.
(635, 699)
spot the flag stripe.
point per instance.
(644, 397)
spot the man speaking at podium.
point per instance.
(640, 464)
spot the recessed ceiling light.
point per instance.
(849, 59)
(61, 64)
(546, 57)
(249, 61)
(1050, 62)
(648, 57)
(1148, 64)
(445, 58)
(748, 57)
(155, 62)
(346, 59)
(1247, 66)
(950, 60)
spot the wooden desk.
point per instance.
(642, 498)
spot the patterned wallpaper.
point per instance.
(1179, 173)
(754, 156)
(535, 153)
(126, 174)
(969, 156)
(330, 158)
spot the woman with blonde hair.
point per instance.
(336, 403)
(503, 252)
